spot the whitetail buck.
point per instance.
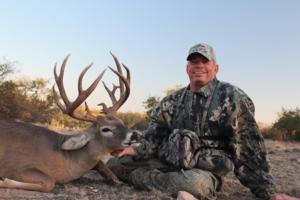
(35, 158)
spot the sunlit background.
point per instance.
(257, 44)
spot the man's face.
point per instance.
(200, 71)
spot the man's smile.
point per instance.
(198, 72)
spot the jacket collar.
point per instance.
(206, 90)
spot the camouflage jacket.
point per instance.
(222, 116)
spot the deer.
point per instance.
(35, 158)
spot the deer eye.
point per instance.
(105, 129)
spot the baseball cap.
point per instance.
(203, 49)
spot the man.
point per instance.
(196, 136)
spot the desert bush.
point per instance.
(134, 120)
(288, 123)
(173, 89)
(60, 120)
(28, 101)
(273, 133)
(296, 136)
(131, 119)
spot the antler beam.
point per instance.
(70, 107)
(124, 88)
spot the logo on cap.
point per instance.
(203, 49)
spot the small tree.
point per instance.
(289, 122)
(6, 69)
(150, 103)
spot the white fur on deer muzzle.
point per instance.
(127, 140)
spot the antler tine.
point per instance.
(119, 68)
(70, 107)
(59, 80)
(81, 77)
(56, 98)
(127, 73)
(124, 88)
(111, 93)
(123, 96)
(104, 108)
(83, 94)
(87, 109)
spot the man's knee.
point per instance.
(199, 183)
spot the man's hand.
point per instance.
(129, 151)
(283, 197)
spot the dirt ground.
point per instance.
(284, 157)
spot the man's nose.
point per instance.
(199, 65)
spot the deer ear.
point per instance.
(76, 142)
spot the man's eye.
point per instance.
(203, 61)
(194, 61)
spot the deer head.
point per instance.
(105, 125)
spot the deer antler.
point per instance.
(70, 107)
(124, 87)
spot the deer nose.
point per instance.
(136, 136)
(132, 138)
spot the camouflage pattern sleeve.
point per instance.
(248, 149)
(153, 135)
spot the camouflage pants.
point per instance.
(152, 174)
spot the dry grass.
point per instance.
(284, 156)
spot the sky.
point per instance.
(257, 44)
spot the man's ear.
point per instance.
(76, 142)
(217, 68)
(187, 67)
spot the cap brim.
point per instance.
(195, 54)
